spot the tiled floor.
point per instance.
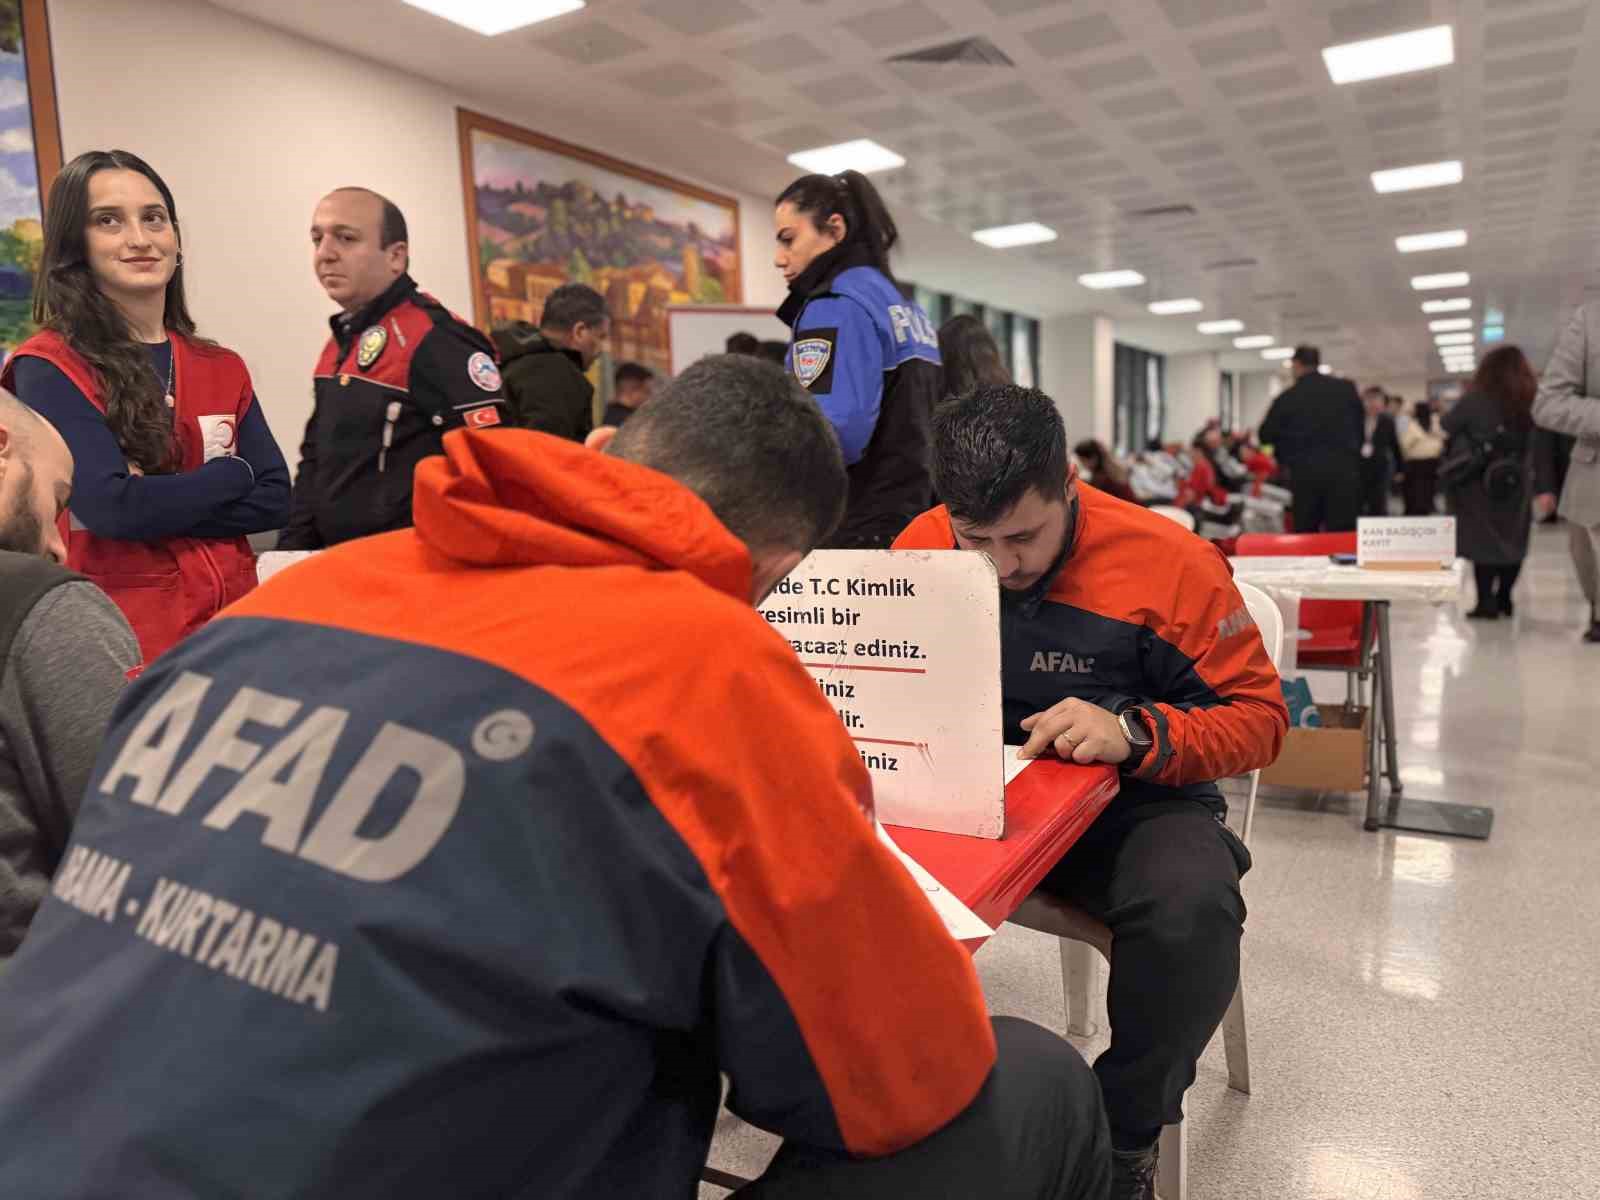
(1424, 1013)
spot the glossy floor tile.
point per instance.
(1424, 1013)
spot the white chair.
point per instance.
(1080, 934)
(1171, 513)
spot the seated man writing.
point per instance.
(1123, 640)
(388, 886)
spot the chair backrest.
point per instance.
(1175, 514)
(1269, 621)
(1338, 620)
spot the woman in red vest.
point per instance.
(174, 463)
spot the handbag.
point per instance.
(1463, 462)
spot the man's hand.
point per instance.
(1544, 504)
(1078, 731)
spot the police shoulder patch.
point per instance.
(482, 371)
(811, 355)
(371, 346)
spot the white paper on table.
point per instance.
(1014, 765)
(959, 920)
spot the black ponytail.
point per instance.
(851, 195)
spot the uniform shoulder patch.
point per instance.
(811, 358)
(482, 371)
(371, 346)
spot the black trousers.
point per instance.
(1036, 1131)
(1421, 486)
(1375, 481)
(1327, 497)
(1164, 875)
(1487, 577)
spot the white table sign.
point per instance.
(905, 644)
(1406, 543)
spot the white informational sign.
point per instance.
(959, 921)
(1406, 543)
(905, 644)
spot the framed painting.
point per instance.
(541, 213)
(30, 157)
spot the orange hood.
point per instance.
(511, 497)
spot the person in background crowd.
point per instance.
(743, 343)
(1181, 693)
(1315, 428)
(631, 387)
(1380, 453)
(1395, 406)
(1102, 470)
(1231, 474)
(1494, 505)
(1421, 444)
(65, 653)
(868, 355)
(576, 912)
(970, 356)
(1156, 475)
(775, 352)
(1568, 402)
(173, 461)
(398, 373)
(546, 368)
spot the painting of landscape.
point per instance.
(21, 230)
(543, 213)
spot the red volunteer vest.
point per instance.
(167, 589)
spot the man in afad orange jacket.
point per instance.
(1123, 641)
(387, 885)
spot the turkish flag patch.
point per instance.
(481, 417)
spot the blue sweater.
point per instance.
(230, 496)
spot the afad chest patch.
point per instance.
(371, 346)
(812, 359)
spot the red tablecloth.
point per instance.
(1048, 807)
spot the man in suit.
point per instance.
(1316, 430)
(1569, 403)
(1380, 453)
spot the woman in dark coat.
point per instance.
(1494, 510)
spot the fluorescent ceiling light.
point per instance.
(1454, 339)
(1459, 304)
(1279, 353)
(1451, 279)
(1460, 368)
(1103, 280)
(1324, 369)
(1228, 326)
(1397, 54)
(1411, 179)
(1004, 237)
(1173, 308)
(1445, 239)
(491, 17)
(1254, 342)
(1453, 325)
(863, 154)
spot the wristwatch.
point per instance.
(1135, 727)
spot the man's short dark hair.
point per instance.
(1308, 356)
(747, 439)
(392, 226)
(993, 445)
(742, 343)
(573, 304)
(631, 372)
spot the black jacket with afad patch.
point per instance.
(394, 378)
(545, 383)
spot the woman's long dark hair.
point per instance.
(970, 355)
(867, 222)
(1101, 461)
(1507, 375)
(69, 301)
(1422, 414)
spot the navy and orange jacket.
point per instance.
(393, 379)
(386, 885)
(1143, 614)
(168, 587)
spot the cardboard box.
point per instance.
(1330, 759)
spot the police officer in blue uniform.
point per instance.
(867, 354)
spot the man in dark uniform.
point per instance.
(399, 372)
(1316, 429)
(545, 366)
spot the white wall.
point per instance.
(1193, 394)
(1256, 393)
(1076, 362)
(250, 127)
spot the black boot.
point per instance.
(1133, 1173)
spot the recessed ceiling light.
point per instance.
(1459, 304)
(1279, 353)
(1454, 339)
(1494, 333)
(1451, 279)
(1228, 326)
(1172, 308)
(1453, 325)
(1004, 237)
(492, 17)
(1254, 342)
(1397, 54)
(1461, 368)
(862, 154)
(1104, 280)
(1445, 239)
(1423, 175)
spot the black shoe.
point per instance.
(1133, 1173)
(1507, 608)
(1484, 614)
